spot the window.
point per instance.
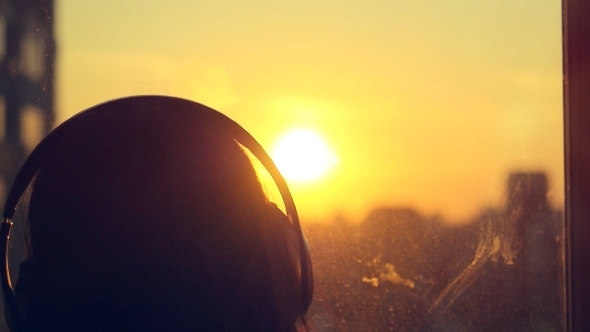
(443, 224)
(445, 208)
(32, 61)
(32, 127)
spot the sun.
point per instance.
(302, 156)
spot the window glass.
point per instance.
(32, 56)
(31, 123)
(422, 140)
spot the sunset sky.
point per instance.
(425, 103)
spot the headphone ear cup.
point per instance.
(23, 289)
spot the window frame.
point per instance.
(576, 88)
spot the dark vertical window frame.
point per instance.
(576, 66)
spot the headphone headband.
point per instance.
(205, 114)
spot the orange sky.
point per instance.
(425, 103)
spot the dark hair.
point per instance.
(150, 220)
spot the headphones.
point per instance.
(223, 126)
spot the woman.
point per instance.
(145, 214)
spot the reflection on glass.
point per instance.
(442, 206)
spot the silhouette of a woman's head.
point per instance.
(146, 216)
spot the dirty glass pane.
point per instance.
(398, 269)
(422, 140)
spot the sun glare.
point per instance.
(302, 156)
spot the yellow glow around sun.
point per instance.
(302, 156)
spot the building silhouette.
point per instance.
(27, 89)
(27, 74)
